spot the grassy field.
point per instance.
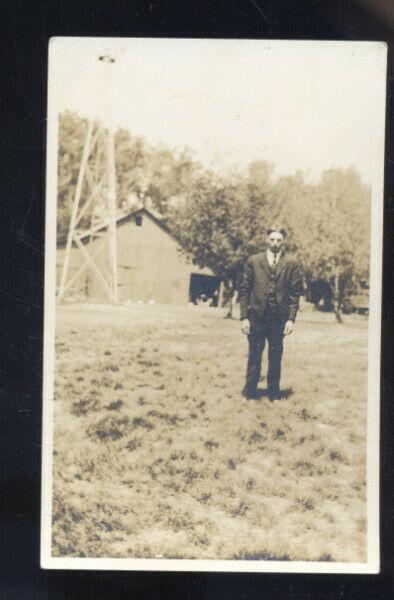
(158, 455)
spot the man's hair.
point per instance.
(278, 229)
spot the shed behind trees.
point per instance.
(151, 265)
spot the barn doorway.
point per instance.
(204, 288)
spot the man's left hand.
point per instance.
(288, 327)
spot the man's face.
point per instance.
(275, 241)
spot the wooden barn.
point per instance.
(151, 266)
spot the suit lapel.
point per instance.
(280, 266)
(265, 263)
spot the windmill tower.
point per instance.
(93, 213)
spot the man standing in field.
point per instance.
(269, 297)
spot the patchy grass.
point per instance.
(157, 454)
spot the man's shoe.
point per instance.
(250, 395)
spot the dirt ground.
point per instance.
(156, 453)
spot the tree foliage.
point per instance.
(154, 175)
(72, 133)
(220, 223)
(329, 225)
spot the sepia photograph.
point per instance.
(213, 256)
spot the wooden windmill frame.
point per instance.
(97, 175)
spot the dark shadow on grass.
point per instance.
(284, 394)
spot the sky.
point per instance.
(298, 104)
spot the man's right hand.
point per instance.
(245, 326)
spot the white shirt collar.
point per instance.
(271, 256)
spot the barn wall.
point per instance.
(150, 265)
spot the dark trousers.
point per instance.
(269, 327)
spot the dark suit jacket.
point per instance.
(253, 292)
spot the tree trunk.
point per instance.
(230, 305)
(337, 299)
(229, 298)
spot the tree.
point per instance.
(333, 238)
(153, 175)
(260, 173)
(220, 224)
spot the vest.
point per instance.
(272, 301)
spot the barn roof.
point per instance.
(158, 219)
(121, 220)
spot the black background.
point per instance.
(26, 27)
